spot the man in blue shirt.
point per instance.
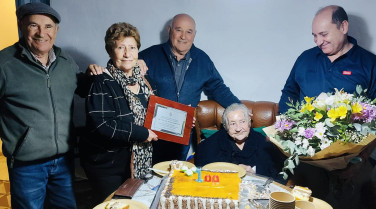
(181, 73)
(336, 62)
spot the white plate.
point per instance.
(165, 166)
(225, 166)
(132, 204)
(321, 204)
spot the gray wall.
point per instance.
(253, 43)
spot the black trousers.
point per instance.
(106, 170)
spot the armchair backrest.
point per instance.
(209, 114)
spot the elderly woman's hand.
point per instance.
(152, 136)
(247, 168)
(94, 69)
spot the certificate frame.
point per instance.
(156, 102)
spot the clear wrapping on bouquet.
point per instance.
(336, 156)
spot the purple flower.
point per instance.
(367, 115)
(369, 112)
(283, 124)
(309, 133)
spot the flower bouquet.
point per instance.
(327, 131)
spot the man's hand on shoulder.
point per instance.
(94, 69)
(143, 67)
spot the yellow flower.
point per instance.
(308, 107)
(332, 114)
(341, 111)
(308, 99)
(356, 108)
(318, 116)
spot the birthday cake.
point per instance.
(219, 189)
(301, 193)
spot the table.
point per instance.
(147, 192)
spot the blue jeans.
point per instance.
(34, 185)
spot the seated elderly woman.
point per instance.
(238, 143)
(118, 145)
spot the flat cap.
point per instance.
(37, 8)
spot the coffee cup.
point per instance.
(281, 200)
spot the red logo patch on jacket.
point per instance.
(345, 72)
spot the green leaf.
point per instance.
(328, 123)
(297, 160)
(285, 175)
(359, 89)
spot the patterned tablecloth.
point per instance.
(147, 192)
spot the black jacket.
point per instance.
(257, 151)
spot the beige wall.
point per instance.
(8, 23)
(253, 43)
(8, 36)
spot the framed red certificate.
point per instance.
(171, 121)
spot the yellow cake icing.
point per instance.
(226, 188)
(182, 191)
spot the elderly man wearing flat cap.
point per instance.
(37, 84)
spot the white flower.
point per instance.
(311, 151)
(319, 102)
(324, 144)
(301, 131)
(305, 143)
(319, 135)
(298, 141)
(329, 101)
(340, 97)
(320, 127)
(323, 96)
(320, 130)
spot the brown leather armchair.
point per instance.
(209, 114)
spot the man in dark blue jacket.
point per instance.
(181, 73)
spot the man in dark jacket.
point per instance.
(37, 84)
(238, 143)
(181, 73)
